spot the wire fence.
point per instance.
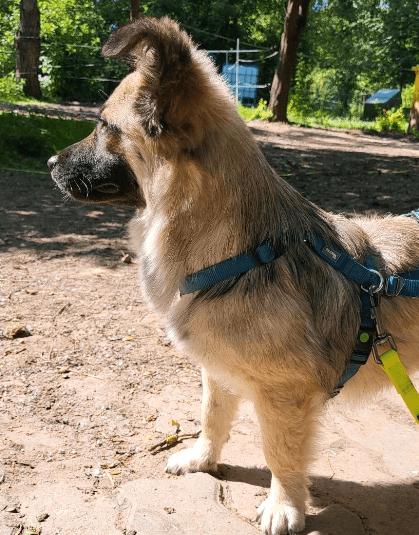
(89, 66)
(101, 75)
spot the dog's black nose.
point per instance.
(52, 162)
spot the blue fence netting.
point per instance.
(247, 81)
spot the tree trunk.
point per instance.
(294, 24)
(28, 48)
(134, 12)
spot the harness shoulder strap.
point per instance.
(228, 268)
(363, 275)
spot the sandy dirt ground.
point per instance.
(89, 381)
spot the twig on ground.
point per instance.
(110, 479)
(17, 291)
(60, 312)
(87, 374)
(171, 441)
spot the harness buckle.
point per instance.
(399, 285)
(381, 340)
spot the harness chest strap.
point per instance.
(365, 275)
(365, 339)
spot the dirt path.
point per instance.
(73, 110)
(88, 380)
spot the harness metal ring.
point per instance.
(375, 288)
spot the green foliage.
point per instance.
(407, 96)
(392, 120)
(260, 111)
(365, 45)
(11, 90)
(325, 119)
(349, 48)
(9, 25)
(29, 140)
(72, 32)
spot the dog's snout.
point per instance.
(52, 162)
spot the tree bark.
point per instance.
(134, 12)
(294, 24)
(28, 48)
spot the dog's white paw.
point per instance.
(280, 519)
(189, 460)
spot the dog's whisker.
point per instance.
(86, 187)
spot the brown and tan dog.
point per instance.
(169, 141)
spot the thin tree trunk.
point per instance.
(135, 10)
(294, 24)
(28, 48)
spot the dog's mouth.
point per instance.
(121, 189)
(82, 189)
(86, 178)
(108, 188)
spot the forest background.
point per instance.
(349, 49)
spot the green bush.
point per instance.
(325, 119)
(261, 111)
(407, 96)
(11, 90)
(393, 120)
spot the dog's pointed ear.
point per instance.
(163, 53)
(121, 42)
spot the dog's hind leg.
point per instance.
(287, 428)
(219, 407)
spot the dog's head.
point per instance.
(161, 110)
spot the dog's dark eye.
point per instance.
(108, 126)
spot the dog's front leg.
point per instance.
(219, 407)
(286, 427)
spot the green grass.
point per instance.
(27, 141)
(260, 111)
(11, 91)
(393, 120)
(324, 120)
(315, 119)
(29, 101)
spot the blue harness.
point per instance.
(370, 280)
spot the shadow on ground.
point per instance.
(338, 171)
(395, 509)
(33, 215)
(344, 172)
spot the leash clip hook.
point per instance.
(380, 340)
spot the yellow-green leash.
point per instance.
(395, 371)
(391, 364)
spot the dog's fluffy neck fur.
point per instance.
(196, 216)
